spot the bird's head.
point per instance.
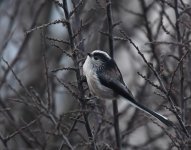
(98, 58)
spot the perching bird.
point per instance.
(105, 81)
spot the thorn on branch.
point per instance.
(116, 24)
(104, 33)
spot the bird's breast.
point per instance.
(97, 88)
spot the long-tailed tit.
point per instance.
(105, 81)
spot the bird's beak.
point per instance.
(89, 54)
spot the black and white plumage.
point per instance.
(105, 81)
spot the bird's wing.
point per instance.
(112, 79)
(116, 85)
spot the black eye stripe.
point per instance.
(100, 56)
(96, 58)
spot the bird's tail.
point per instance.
(160, 117)
(122, 90)
(145, 109)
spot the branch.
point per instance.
(160, 82)
(78, 76)
(115, 105)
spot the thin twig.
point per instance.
(57, 40)
(46, 72)
(64, 68)
(46, 25)
(20, 129)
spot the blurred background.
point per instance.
(43, 98)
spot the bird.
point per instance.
(105, 81)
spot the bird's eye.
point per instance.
(95, 57)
